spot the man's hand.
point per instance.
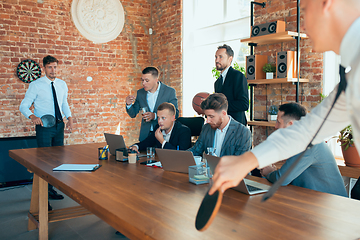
(268, 169)
(159, 136)
(130, 99)
(134, 148)
(148, 116)
(231, 170)
(69, 124)
(36, 120)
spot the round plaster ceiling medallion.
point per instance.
(99, 21)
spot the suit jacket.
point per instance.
(166, 94)
(180, 136)
(317, 170)
(235, 88)
(236, 142)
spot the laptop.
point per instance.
(114, 141)
(175, 160)
(246, 186)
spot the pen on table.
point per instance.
(97, 167)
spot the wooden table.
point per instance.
(148, 203)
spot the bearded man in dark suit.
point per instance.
(232, 83)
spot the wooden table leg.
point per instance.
(39, 204)
(43, 210)
(34, 204)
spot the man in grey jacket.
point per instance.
(317, 170)
(221, 131)
(148, 99)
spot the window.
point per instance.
(208, 24)
(330, 79)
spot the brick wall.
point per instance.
(166, 49)
(36, 28)
(311, 65)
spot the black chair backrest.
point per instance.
(194, 123)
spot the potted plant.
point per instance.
(270, 69)
(350, 153)
(273, 111)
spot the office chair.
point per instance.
(194, 123)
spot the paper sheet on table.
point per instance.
(77, 167)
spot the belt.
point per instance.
(59, 121)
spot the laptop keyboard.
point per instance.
(252, 188)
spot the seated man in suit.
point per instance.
(168, 134)
(221, 131)
(148, 99)
(317, 169)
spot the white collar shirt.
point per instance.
(40, 94)
(167, 136)
(219, 138)
(224, 73)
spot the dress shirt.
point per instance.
(151, 100)
(40, 93)
(167, 136)
(224, 73)
(219, 138)
(284, 143)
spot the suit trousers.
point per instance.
(49, 137)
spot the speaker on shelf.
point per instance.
(286, 64)
(267, 28)
(254, 65)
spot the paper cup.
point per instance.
(132, 157)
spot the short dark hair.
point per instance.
(49, 59)
(216, 101)
(229, 50)
(292, 111)
(152, 70)
(168, 106)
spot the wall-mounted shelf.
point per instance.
(274, 38)
(262, 123)
(276, 80)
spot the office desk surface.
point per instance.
(148, 203)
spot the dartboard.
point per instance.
(28, 71)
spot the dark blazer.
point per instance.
(235, 89)
(180, 136)
(236, 142)
(166, 94)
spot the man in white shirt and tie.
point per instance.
(49, 96)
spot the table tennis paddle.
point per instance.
(48, 120)
(208, 209)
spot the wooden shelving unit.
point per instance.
(274, 38)
(262, 123)
(276, 80)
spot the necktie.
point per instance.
(220, 83)
(56, 105)
(343, 83)
(221, 79)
